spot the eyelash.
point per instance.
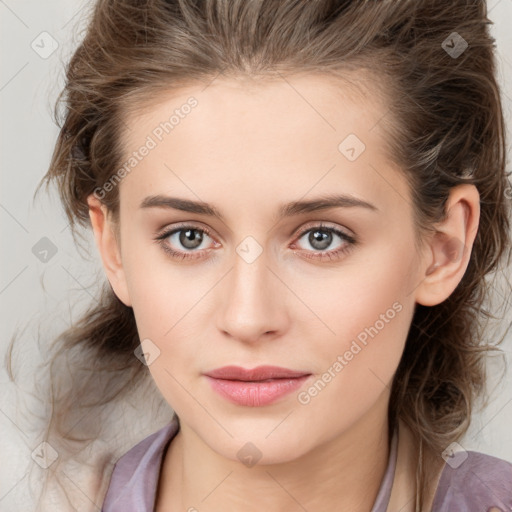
(318, 255)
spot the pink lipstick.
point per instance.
(255, 387)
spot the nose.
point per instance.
(252, 302)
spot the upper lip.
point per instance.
(254, 374)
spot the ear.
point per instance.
(109, 248)
(448, 250)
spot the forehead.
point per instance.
(324, 103)
(261, 138)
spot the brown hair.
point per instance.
(445, 127)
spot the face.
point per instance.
(273, 279)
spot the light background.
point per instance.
(31, 290)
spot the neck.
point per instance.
(343, 473)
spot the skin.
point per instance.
(247, 148)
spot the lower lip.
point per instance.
(255, 394)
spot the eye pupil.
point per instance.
(322, 241)
(189, 237)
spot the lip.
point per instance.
(255, 387)
(254, 374)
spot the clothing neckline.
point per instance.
(142, 466)
(383, 495)
(481, 481)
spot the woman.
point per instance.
(296, 205)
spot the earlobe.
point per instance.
(448, 250)
(108, 248)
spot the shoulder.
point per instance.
(135, 475)
(474, 481)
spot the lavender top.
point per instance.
(477, 483)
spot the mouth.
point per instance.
(258, 374)
(255, 387)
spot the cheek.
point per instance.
(366, 309)
(165, 301)
(364, 287)
(370, 316)
(160, 292)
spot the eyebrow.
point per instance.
(287, 210)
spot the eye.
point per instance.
(321, 237)
(187, 239)
(188, 242)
